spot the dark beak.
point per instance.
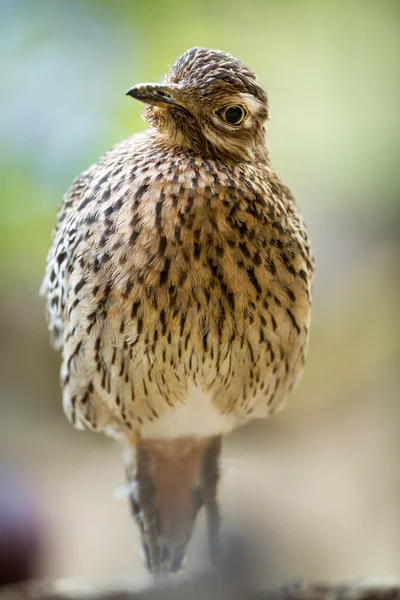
(158, 94)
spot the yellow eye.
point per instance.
(233, 115)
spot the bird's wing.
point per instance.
(77, 285)
(55, 282)
(69, 229)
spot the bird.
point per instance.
(178, 288)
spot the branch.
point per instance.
(201, 588)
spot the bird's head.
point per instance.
(211, 104)
(173, 479)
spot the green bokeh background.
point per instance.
(331, 69)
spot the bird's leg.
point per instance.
(129, 460)
(141, 500)
(130, 472)
(172, 479)
(146, 495)
(210, 476)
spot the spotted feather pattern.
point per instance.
(170, 267)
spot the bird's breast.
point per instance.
(198, 416)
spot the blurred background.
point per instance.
(320, 482)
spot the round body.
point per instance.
(178, 290)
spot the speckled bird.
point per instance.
(178, 291)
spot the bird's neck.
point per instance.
(199, 146)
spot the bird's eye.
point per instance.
(233, 115)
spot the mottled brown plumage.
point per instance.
(179, 285)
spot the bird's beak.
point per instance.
(157, 94)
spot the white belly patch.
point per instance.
(198, 417)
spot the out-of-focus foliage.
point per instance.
(331, 72)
